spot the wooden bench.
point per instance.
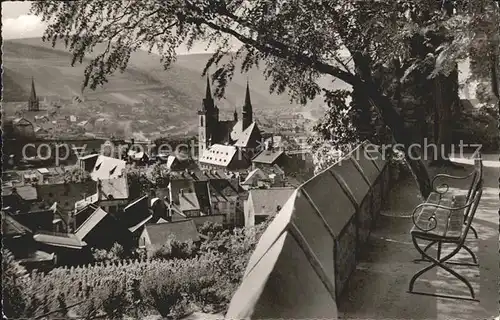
(446, 218)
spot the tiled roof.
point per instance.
(26, 192)
(219, 155)
(183, 230)
(116, 188)
(267, 156)
(265, 201)
(255, 175)
(90, 223)
(244, 137)
(107, 168)
(67, 240)
(79, 205)
(135, 213)
(237, 129)
(140, 224)
(66, 195)
(11, 227)
(188, 201)
(201, 175)
(37, 256)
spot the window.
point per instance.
(201, 121)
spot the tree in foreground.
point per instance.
(299, 45)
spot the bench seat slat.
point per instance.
(441, 216)
(455, 224)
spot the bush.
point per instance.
(174, 249)
(14, 300)
(189, 280)
(478, 127)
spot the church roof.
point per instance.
(218, 154)
(244, 137)
(237, 129)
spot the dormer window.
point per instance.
(98, 166)
(112, 170)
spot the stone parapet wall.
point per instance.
(307, 254)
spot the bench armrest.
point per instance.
(447, 176)
(432, 218)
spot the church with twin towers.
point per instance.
(228, 144)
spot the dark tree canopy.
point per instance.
(373, 45)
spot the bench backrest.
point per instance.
(471, 210)
(476, 179)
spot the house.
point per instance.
(154, 236)
(65, 194)
(107, 168)
(24, 128)
(102, 229)
(40, 217)
(265, 177)
(110, 194)
(66, 247)
(179, 163)
(264, 203)
(224, 157)
(18, 239)
(189, 204)
(269, 158)
(135, 215)
(20, 197)
(72, 119)
(41, 132)
(86, 125)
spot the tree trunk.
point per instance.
(401, 134)
(446, 98)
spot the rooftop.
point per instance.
(266, 201)
(183, 230)
(218, 154)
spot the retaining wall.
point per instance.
(305, 257)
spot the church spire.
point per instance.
(33, 103)
(208, 93)
(247, 109)
(235, 115)
(33, 92)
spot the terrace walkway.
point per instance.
(378, 287)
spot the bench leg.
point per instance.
(440, 262)
(430, 244)
(474, 231)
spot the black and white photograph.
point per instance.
(250, 159)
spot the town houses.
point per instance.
(60, 215)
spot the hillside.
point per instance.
(164, 101)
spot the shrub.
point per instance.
(13, 277)
(478, 127)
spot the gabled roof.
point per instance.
(267, 156)
(254, 176)
(116, 188)
(236, 131)
(90, 223)
(243, 140)
(183, 230)
(188, 201)
(266, 201)
(67, 240)
(219, 155)
(26, 192)
(161, 220)
(140, 224)
(10, 227)
(107, 168)
(21, 121)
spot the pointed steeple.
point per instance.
(247, 109)
(208, 93)
(34, 102)
(208, 102)
(33, 92)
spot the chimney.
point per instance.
(182, 192)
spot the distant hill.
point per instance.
(164, 98)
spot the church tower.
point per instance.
(247, 114)
(34, 102)
(206, 117)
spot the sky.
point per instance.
(18, 23)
